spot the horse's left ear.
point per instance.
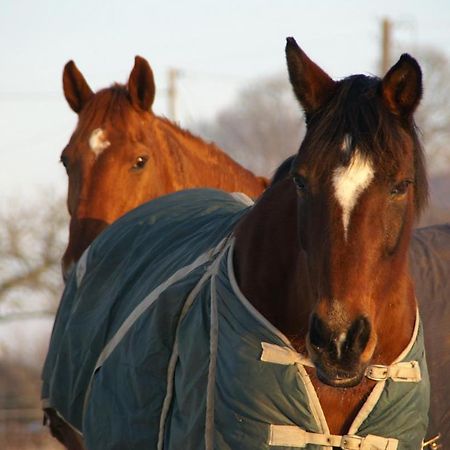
(312, 86)
(402, 86)
(141, 84)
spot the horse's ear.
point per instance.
(312, 86)
(402, 86)
(141, 84)
(76, 89)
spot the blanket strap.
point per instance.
(433, 443)
(81, 267)
(293, 436)
(408, 372)
(283, 355)
(213, 258)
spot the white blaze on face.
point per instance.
(349, 182)
(339, 341)
(98, 141)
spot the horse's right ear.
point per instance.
(141, 84)
(76, 89)
(312, 86)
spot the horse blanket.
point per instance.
(155, 347)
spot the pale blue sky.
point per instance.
(220, 46)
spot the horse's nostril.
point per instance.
(358, 335)
(319, 333)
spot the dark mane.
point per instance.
(283, 170)
(357, 110)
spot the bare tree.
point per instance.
(31, 244)
(20, 407)
(264, 124)
(433, 116)
(32, 237)
(261, 128)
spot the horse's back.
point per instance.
(110, 288)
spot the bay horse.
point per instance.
(121, 155)
(340, 260)
(429, 256)
(295, 317)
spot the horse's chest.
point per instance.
(341, 406)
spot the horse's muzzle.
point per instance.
(338, 353)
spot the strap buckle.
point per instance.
(351, 442)
(377, 372)
(408, 371)
(293, 436)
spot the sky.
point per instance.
(219, 47)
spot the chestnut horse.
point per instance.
(121, 155)
(320, 262)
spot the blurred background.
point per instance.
(220, 72)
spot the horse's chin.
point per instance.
(341, 380)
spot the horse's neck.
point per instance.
(268, 262)
(202, 164)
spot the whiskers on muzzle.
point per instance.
(338, 353)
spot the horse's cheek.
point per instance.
(393, 222)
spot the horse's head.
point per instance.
(360, 179)
(111, 158)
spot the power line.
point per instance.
(29, 96)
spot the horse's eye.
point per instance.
(401, 188)
(300, 183)
(141, 161)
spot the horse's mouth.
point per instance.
(339, 380)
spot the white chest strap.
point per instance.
(292, 436)
(400, 371)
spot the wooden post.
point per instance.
(386, 46)
(172, 93)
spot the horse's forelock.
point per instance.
(112, 105)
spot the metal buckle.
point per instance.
(377, 372)
(351, 442)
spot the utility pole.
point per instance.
(172, 93)
(386, 46)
